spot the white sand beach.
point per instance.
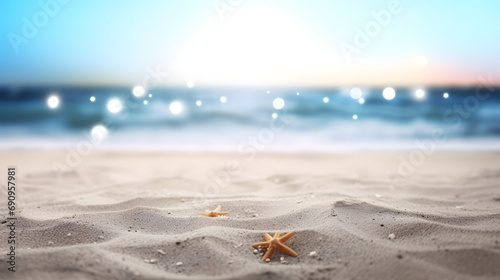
(134, 215)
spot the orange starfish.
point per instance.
(216, 213)
(276, 242)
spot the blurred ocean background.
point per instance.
(313, 120)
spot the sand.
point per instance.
(133, 215)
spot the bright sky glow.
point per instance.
(259, 43)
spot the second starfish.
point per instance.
(216, 213)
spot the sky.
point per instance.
(281, 43)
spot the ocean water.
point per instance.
(469, 119)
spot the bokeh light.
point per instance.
(356, 93)
(354, 117)
(274, 115)
(190, 84)
(176, 107)
(326, 99)
(53, 101)
(198, 103)
(420, 93)
(278, 103)
(223, 99)
(138, 91)
(99, 132)
(115, 105)
(92, 98)
(446, 95)
(389, 93)
(145, 102)
(361, 101)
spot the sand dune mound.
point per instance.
(358, 226)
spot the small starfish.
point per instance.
(215, 213)
(276, 242)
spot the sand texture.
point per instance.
(133, 215)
